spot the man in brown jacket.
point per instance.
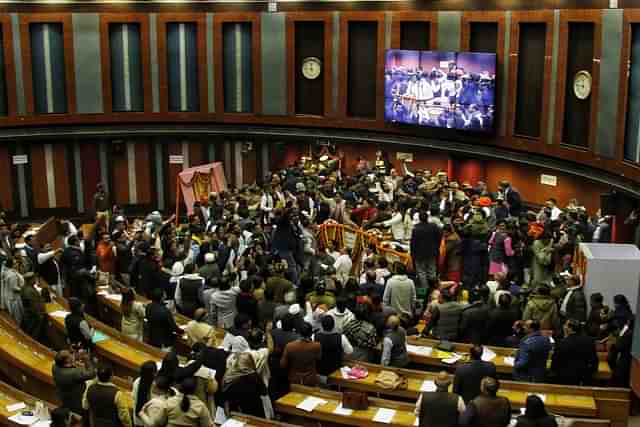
(488, 409)
(300, 356)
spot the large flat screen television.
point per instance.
(453, 90)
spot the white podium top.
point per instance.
(610, 251)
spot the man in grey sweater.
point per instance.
(400, 292)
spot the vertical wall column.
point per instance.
(87, 63)
(159, 165)
(78, 169)
(449, 27)
(554, 76)
(237, 164)
(210, 65)
(264, 160)
(17, 61)
(22, 183)
(274, 59)
(606, 138)
(228, 167)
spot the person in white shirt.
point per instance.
(551, 203)
(396, 223)
(343, 265)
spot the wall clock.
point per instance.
(311, 68)
(582, 84)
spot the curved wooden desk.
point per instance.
(27, 363)
(110, 312)
(251, 421)
(404, 416)
(435, 358)
(11, 396)
(605, 403)
(126, 355)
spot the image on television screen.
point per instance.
(440, 89)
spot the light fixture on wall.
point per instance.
(246, 147)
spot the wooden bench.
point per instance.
(434, 359)
(598, 402)
(11, 396)
(404, 416)
(125, 354)
(251, 421)
(110, 312)
(28, 364)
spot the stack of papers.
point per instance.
(453, 359)
(509, 361)
(342, 411)
(233, 423)
(59, 313)
(419, 349)
(310, 403)
(487, 354)
(16, 407)
(24, 420)
(428, 385)
(384, 415)
(221, 417)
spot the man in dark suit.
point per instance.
(574, 359)
(425, 247)
(162, 327)
(466, 381)
(474, 322)
(512, 197)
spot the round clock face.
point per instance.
(582, 84)
(311, 68)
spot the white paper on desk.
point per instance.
(428, 385)
(115, 297)
(453, 359)
(542, 396)
(23, 420)
(41, 424)
(342, 411)
(59, 313)
(233, 423)
(310, 403)
(205, 373)
(419, 349)
(105, 293)
(487, 354)
(344, 371)
(16, 407)
(384, 415)
(221, 417)
(510, 361)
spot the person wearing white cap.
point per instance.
(210, 270)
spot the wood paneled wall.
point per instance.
(335, 81)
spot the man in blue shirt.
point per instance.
(531, 359)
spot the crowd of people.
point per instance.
(485, 269)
